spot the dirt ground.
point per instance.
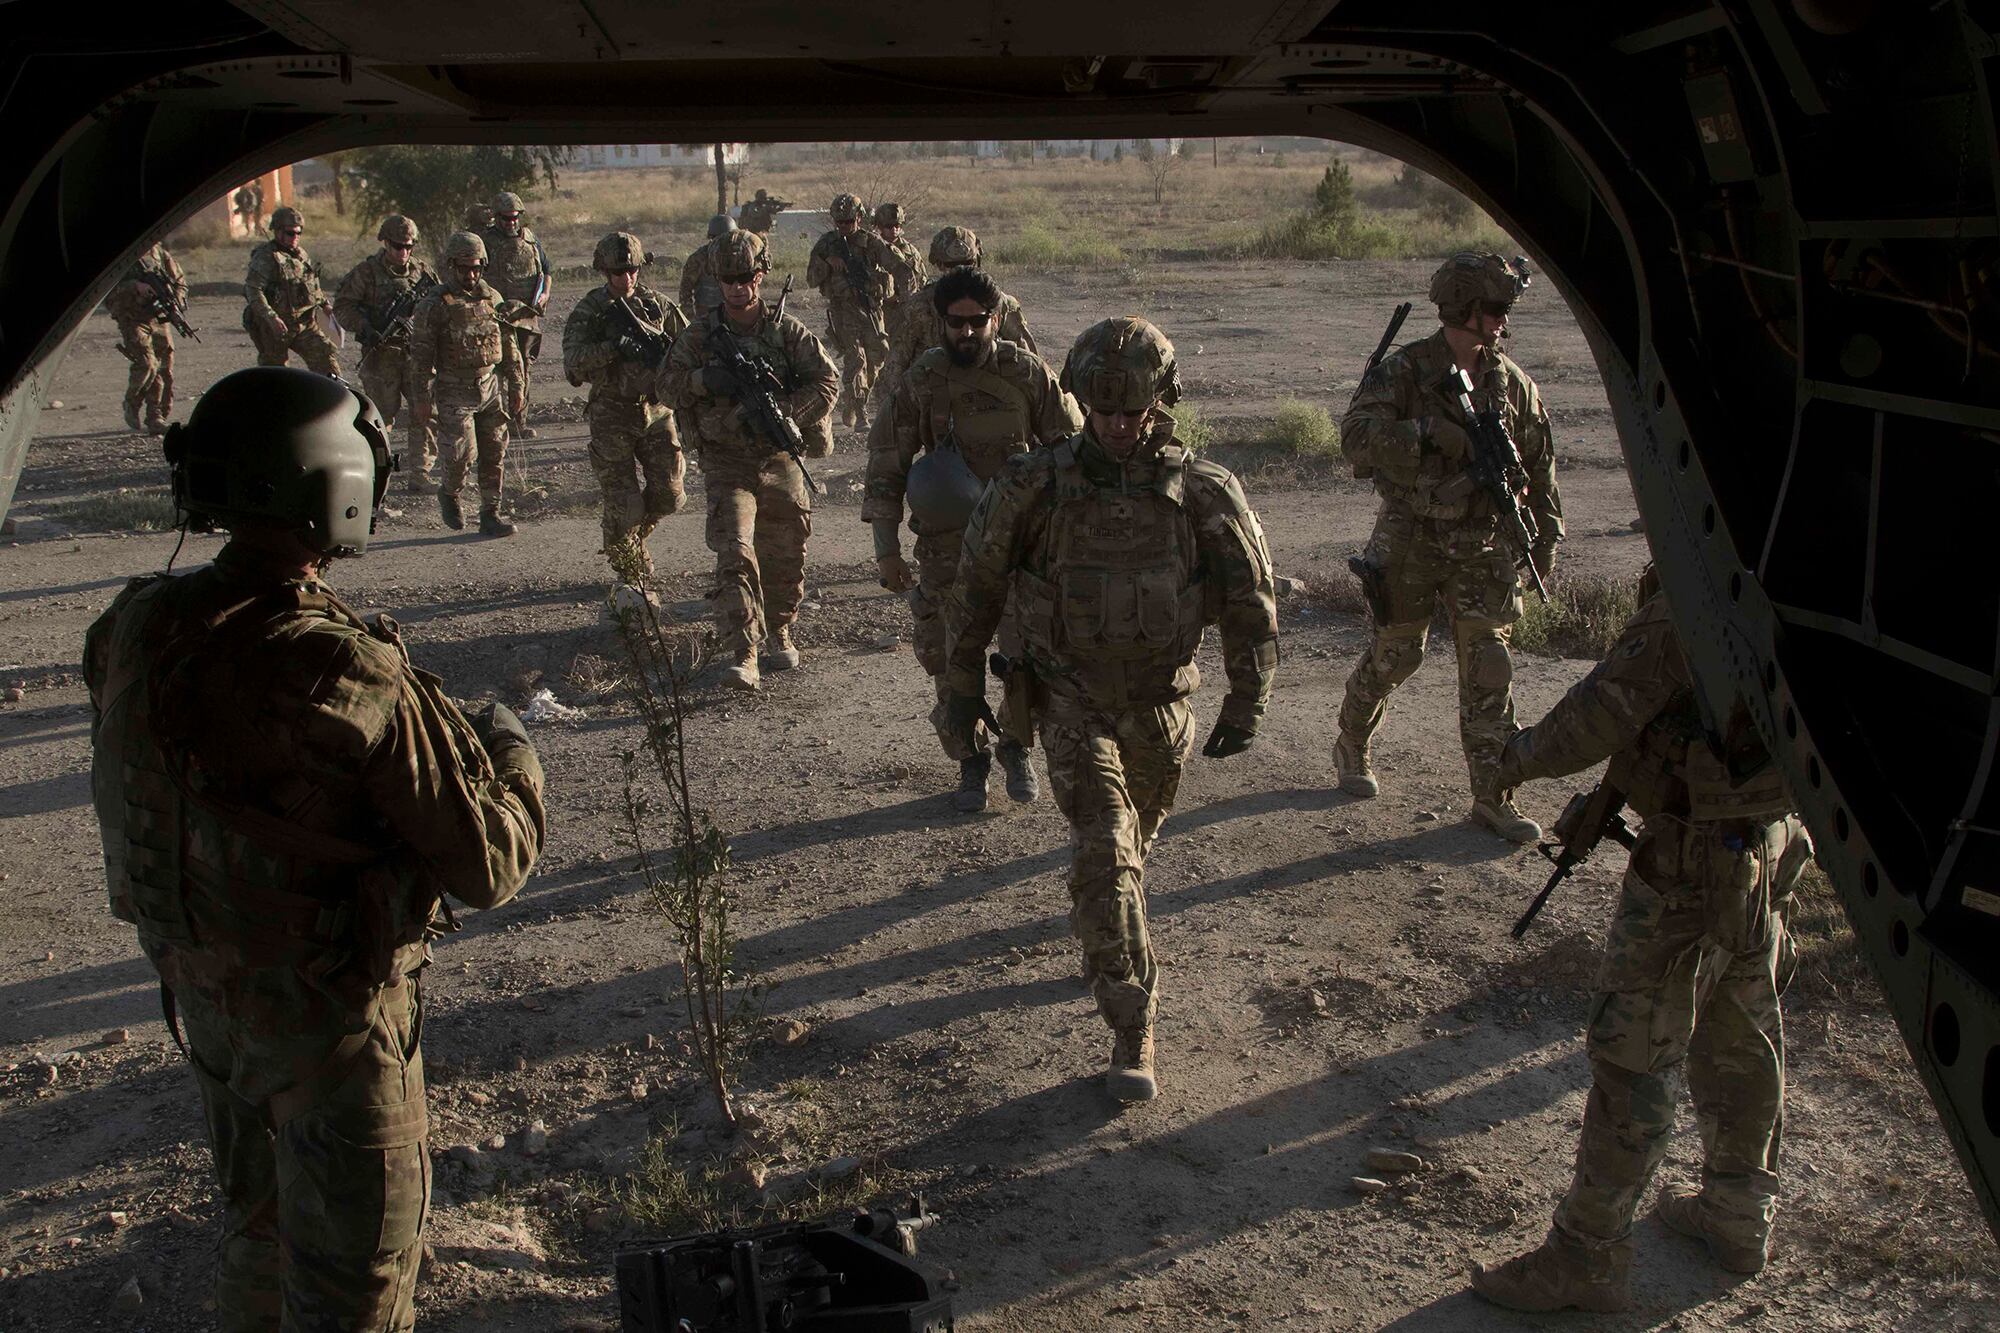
(1337, 973)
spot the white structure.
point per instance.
(610, 155)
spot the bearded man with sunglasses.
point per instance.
(1437, 536)
(366, 303)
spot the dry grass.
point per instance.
(1581, 618)
(127, 509)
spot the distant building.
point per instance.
(608, 156)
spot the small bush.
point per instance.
(1305, 428)
(1830, 965)
(1191, 427)
(1581, 618)
(1036, 246)
(127, 509)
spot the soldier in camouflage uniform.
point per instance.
(1692, 970)
(282, 296)
(911, 272)
(145, 338)
(518, 268)
(1119, 548)
(701, 289)
(364, 303)
(986, 400)
(464, 366)
(854, 300)
(759, 509)
(759, 213)
(284, 800)
(620, 355)
(1436, 537)
(478, 217)
(918, 327)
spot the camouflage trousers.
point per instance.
(469, 424)
(857, 338)
(759, 517)
(1691, 973)
(304, 337)
(937, 573)
(1421, 564)
(530, 342)
(635, 450)
(1114, 777)
(323, 1205)
(385, 378)
(149, 391)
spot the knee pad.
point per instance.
(1397, 656)
(1485, 658)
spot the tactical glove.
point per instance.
(962, 715)
(1448, 438)
(1227, 739)
(718, 382)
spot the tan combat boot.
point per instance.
(1499, 813)
(1350, 764)
(780, 653)
(1130, 1075)
(1563, 1273)
(741, 674)
(1680, 1207)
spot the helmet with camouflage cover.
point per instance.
(506, 202)
(464, 247)
(890, 215)
(285, 216)
(844, 208)
(398, 229)
(720, 225)
(1468, 279)
(477, 216)
(953, 246)
(1122, 365)
(621, 249)
(740, 252)
(761, 194)
(275, 446)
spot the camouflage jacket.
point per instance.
(361, 302)
(457, 352)
(1116, 570)
(701, 286)
(590, 350)
(282, 283)
(758, 214)
(515, 263)
(283, 799)
(879, 262)
(796, 357)
(1383, 435)
(918, 327)
(1638, 709)
(911, 273)
(1008, 403)
(132, 300)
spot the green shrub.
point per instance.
(1037, 246)
(1191, 427)
(1305, 428)
(1581, 618)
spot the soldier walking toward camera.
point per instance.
(759, 506)
(465, 369)
(282, 299)
(284, 803)
(518, 268)
(1693, 964)
(855, 271)
(152, 289)
(1437, 537)
(617, 340)
(911, 272)
(918, 327)
(759, 213)
(966, 407)
(1118, 547)
(701, 290)
(377, 302)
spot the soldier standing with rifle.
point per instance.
(617, 340)
(376, 301)
(753, 382)
(148, 304)
(282, 299)
(465, 366)
(1694, 961)
(1457, 518)
(854, 269)
(518, 268)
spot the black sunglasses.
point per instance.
(969, 321)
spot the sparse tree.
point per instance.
(433, 186)
(1158, 168)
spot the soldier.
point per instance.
(700, 291)
(759, 509)
(518, 268)
(284, 802)
(377, 300)
(1691, 970)
(616, 340)
(980, 400)
(918, 327)
(282, 297)
(478, 217)
(760, 213)
(1436, 535)
(855, 271)
(1119, 547)
(464, 365)
(911, 271)
(151, 289)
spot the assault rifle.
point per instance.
(396, 319)
(857, 275)
(637, 338)
(165, 306)
(1589, 818)
(1495, 467)
(1396, 318)
(851, 1275)
(757, 389)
